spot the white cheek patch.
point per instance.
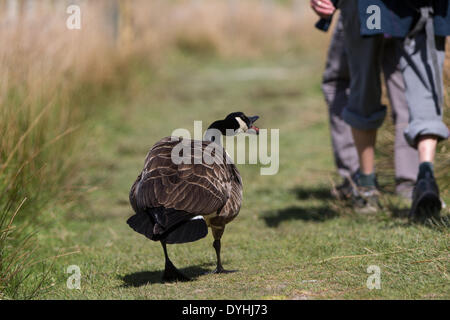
(242, 125)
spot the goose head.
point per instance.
(241, 123)
(234, 123)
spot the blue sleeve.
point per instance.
(397, 17)
(442, 17)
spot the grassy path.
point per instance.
(290, 241)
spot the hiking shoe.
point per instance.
(343, 191)
(426, 200)
(366, 200)
(404, 189)
(346, 189)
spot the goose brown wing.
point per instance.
(195, 188)
(234, 202)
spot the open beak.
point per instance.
(253, 129)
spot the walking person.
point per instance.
(336, 88)
(419, 28)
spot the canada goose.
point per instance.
(176, 203)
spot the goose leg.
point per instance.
(216, 244)
(171, 273)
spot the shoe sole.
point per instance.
(428, 206)
(366, 210)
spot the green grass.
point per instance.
(287, 227)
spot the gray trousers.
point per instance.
(365, 54)
(336, 89)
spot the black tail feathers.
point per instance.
(141, 223)
(189, 231)
(170, 225)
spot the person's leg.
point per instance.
(406, 158)
(426, 127)
(336, 88)
(426, 145)
(364, 112)
(418, 74)
(427, 148)
(365, 145)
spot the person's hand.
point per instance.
(323, 8)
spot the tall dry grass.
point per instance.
(50, 78)
(227, 27)
(42, 68)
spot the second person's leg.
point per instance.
(336, 87)
(406, 158)
(426, 127)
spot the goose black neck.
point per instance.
(220, 126)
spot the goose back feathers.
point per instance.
(171, 195)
